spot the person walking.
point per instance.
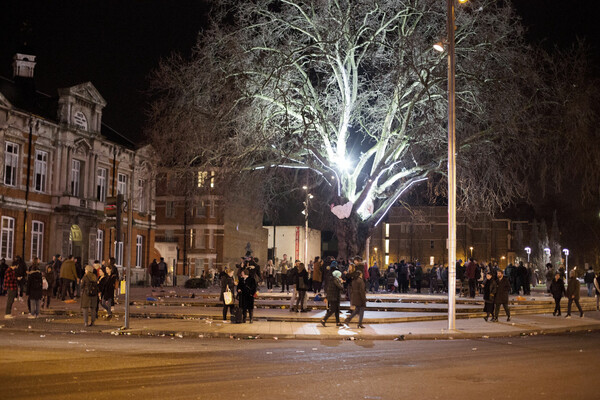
(34, 291)
(11, 286)
(549, 277)
(500, 289)
(374, 276)
(488, 297)
(471, 275)
(48, 275)
(284, 265)
(573, 289)
(333, 291)
(89, 295)
(301, 288)
(246, 290)
(107, 289)
(227, 284)
(270, 274)
(557, 290)
(68, 275)
(589, 281)
(358, 299)
(154, 276)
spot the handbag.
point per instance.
(228, 297)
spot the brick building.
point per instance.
(59, 163)
(421, 234)
(198, 231)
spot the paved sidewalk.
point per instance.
(63, 318)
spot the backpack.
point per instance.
(237, 316)
(92, 288)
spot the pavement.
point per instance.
(195, 313)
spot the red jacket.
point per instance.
(10, 279)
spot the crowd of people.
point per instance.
(63, 279)
(95, 285)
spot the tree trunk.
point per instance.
(352, 234)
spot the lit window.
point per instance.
(99, 244)
(206, 178)
(169, 209)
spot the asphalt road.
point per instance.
(71, 366)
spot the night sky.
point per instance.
(116, 43)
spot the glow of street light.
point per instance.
(304, 187)
(439, 46)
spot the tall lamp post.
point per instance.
(471, 248)
(528, 251)
(305, 212)
(451, 165)
(566, 251)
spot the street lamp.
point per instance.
(305, 212)
(566, 251)
(547, 251)
(451, 163)
(471, 248)
(528, 251)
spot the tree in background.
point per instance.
(352, 93)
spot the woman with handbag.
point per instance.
(227, 290)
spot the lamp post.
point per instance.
(547, 251)
(471, 248)
(305, 212)
(566, 251)
(528, 251)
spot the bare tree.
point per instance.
(353, 92)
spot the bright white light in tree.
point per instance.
(344, 164)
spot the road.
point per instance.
(72, 366)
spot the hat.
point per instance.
(89, 268)
(337, 273)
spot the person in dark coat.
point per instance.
(488, 297)
(34, 291)
(301, 287)
(418, 277)
(522, 278)
(501, 289)
(154, 274)
(88, 302)
(573, 295)
(49, 275)
(227, 283)
(246, 290)
(107, 285)
(333, 290)
(21, 275)
(557, 289)
(358, 299)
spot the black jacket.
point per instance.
(246, 290)
(334, 289)
(302, 280)
(557, 288)
(34, 285)
(501, 289)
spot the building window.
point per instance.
(8, 235)
(206, 179)
(141, 197)
(11, 163)
(138, 250)
(387, 230)
(211, 239)
(101, 184)
(169, 236)
(169, 209)
(118, 254)
(122, 185)
(75, 177)
(37, 239)
(201, 239)
(201, 209)
(99, 244)
(431, 244)
(41, 171)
